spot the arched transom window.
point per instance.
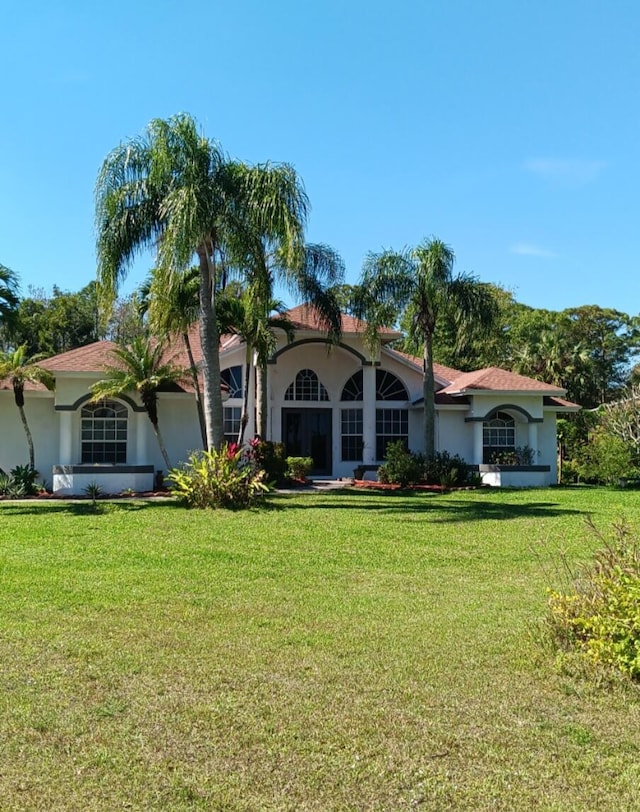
(498, 436)
(306, 387)
(353, 387)
(389, 387)
(104, 432)
(232, 376)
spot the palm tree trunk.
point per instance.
(163, 448)
(196, 386)
(428, 394)
(244, 417)
(261, 398)
(27, 431)
(210, 340)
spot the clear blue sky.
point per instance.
(507, 128)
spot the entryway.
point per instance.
(307, 433)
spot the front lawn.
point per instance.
(345, 650)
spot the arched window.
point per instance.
(232, 376)
(306, 387)
(388, 387)
(353, 387)
(498, 436)
(104, 432)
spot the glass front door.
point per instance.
(307, 433)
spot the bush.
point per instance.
(444, 469)
(605, 460)
(271, 457)
(600, 616)
(298, 467)
(21, 481)
(228, 478)
(401, 466)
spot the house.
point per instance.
(334, 403)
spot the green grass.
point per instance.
(338, 651)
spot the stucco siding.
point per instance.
(453, 434)
(42, 420)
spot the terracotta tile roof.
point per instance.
(447, 374)
(305, 317)
(560, 403)
(494, 379)
(90, 358)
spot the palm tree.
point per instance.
(8, 293)
(21, 369)
(314, 275)
(172, 303)
(421, 279)
(255, 321)
(140, 367)
(174, 190)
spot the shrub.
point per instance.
(444, 469)
(605, 460)
(271, 457)
(600, 616)
(521, 455)
(570, 472)
(20, 482)
(225, 478)
(298, 467)
(401, 466)
(26, 476)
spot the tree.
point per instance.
(172, 303)
(312, 274)
(612, 338)
(423, 280)
(255, 321)
(175, 191)
(140, 367)
(57, 322)
(8, 294)
(21, 369)
(621, 419)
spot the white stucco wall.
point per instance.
(41, 417)
(453, 434)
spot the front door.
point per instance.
(307, 433)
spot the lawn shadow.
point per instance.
(431, 504)
(76, 507)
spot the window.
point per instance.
(306, 387)
(498, 436)
(351, 430)
(231, 423)
(388, 387)
(104, 432)
(353, 387)
(232, 376)
(391, 425)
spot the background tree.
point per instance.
(9, 290)
(175, 191)
(20, 369)
(422, 279)
(140, 367)
(51, 323)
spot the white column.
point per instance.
(369, 414)
(66, 438)
(533, 441)
(141, 438)
(478, 447)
